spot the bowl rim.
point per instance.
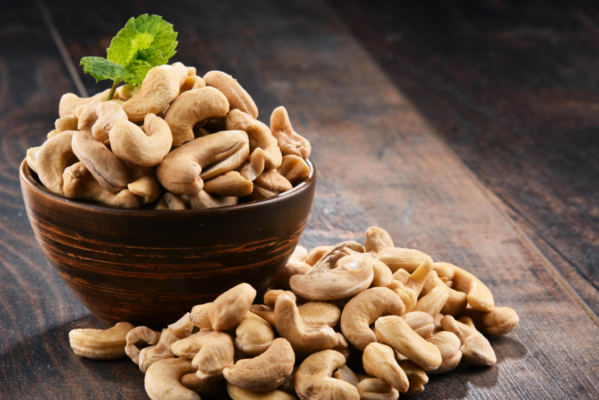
(27, 177)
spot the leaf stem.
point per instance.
(114, 86)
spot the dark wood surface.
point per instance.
(379, 164)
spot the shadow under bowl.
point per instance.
(150, 267)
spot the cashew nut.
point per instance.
(203, 200)
(158, 90)
(320, 313)
(332, 258)
(313, 379)
(396, 332)
(299, 253)
(479, 295)
(143, 183)
(190, 346)
(416, 376)
(216, 353)
(422, 323)
(434, 301)
(233, 162)
(264, 372)
(293, 267)
(162, 380)
(449, 346)
(110, 172)
(290, 142)
(171, 201)
(145, 148)
(376, 389)
(180, 170)
(347, 375)
(498, 321)
(32, 158)
(342, 346)
(266, 313)
(161, 351)
(476, 349)
(236, 95)
(192, 107)
(270, 297)
(99, 344)
(66, 123)
(80, 184)
(100, 118)
(379, 360)
(140, 336)
(182, 72)
(230, 184)
(69, 102)
(183, 327)
(237, 393)
(254, 335)
(192, 82)
(363, 310)
(230, 308)
(377, 239)
(382, 274)
(52, 159)
(125, 92)
(408, 287)
(456, 301)
(316, 254)
(396, 258)
(254, 167)
(204, 388)
(304, 338)
(342, 282)
(294, 169)
(199, 316)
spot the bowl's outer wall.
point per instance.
(150, 268)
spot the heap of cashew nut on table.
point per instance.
(177, 141)
(402, 315)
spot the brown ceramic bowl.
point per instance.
(150, 267)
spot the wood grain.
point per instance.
(379, 164)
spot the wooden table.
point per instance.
(380, 163)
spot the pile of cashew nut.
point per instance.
(178, 141)
(391, 314)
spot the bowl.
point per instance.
(150, 267)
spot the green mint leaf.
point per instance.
(101, 69)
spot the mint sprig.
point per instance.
(144, 43)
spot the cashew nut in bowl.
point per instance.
(100, 344)
(199, 316)
(363, 310)
(264, 372)
(110, 172)
(379, 360)
(162, 351)
(233, 162)
(396, 258)
(342, 282)
(236, 95)
(479, 295)
(476, 349)
(170, 201)
(143, 183)
(99, 118)
(66, 123)
(260, 136)
(69, 102)
(145, 148)
(80, 184)
(304, 338)
(290, 142)
(32, 158)
(204, 200)
(376, 389)
(320, 313)
(416, 376)
(217, 352)
(254, 167)
(254, 335)
(52, 159)
(192, 107)
(139, 336)
(158, 90)
(498, 321)
(273, 182)
(230, 184)
(313, 379)
(449, 346)
(293, 267)
(162, 380)
(180, 170)
(377, 239)
(230, 308)
(237, 393)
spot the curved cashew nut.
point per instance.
(233, 162)
(236, 95)
(270, 297)
(230, 184)
(320, 313)
(379, 360)
(377, 239)
(449, 346)
(479, 295)
(299, 253)
(163, 380)
(171, 201)
(204, 388)
(199, 316)
(376, 389)
(69, 102)
(66, 123)
(230, 308)
(183, 327)
(99, 344)
(396, 332)
(145, 148)
(399, 258)
(139, 336)
(316, 254)
(434, 301)
(216, 353)
(254, 167)
(190, 346)
(266, 313)
(32, 158)
(254, 335)
(293, 267)
(332, 258)
(259, 134)
(313, 378)
(143, 183)
(344, 281)
(422, 323)
(264, 372)
(161, 351)
(273, 182)
(192, 107)
(498, 321)
(99, 118)
(476, 349)
(383, 277)
(294, 169)
(203, 201)
(192, 82)
(80, 184)
(456, 301)
(110, 172)
(158, 90)
(181, 71)
(237, 393)
(180, 170)
(347, 375)
(304, 338)
(52, 159)
(363, 310)
(290, 142)
(416, 376)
